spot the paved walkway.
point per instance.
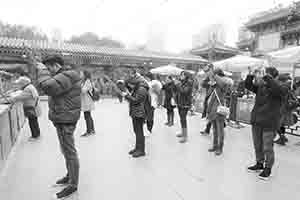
(170, 171)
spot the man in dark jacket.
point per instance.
(139, 108)
(265, 118)
(62, 85)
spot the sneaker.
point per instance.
(147, 133)
(93, 133)
(32, 139)
(218, 152)
(86, 134)
(256, 168)
(265, 175)
(132, 151)
(62, 182)
(213, 149)
(179, 135)
(280, 141)
(138, 153)
(67, 192)
(204, 133)
(183, 139)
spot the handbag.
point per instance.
(222, 109)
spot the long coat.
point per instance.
(87, 103)
(184, 94)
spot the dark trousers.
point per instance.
(65, 134)
(120, 98)
(170, 114)
(182, 114)
(150, 120)
(89, 122)
(34, 127)
(263, 146)
(208, 127)
(139, 133)
(218, 133)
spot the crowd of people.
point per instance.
(71, 92)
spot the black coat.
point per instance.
(139, 101)
(184, 92)
(64, 91)
(268, 102)
(169, 89)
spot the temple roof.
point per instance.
(268, 17)
(218, 47)
(92, 51)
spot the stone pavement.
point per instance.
(170, 171)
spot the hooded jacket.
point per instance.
(64, 91)
(140, 99)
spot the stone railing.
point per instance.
(11, 122)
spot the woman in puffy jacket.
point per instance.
(87, 103)
(184, 89)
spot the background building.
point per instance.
(271, 30)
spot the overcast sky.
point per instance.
(129, 20)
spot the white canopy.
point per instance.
(240, 63)
(167, 70)
(284, 60)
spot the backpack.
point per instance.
(95, 94)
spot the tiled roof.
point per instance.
(217, 46)
(88, 50)
(271, 16)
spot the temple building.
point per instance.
(271, 30)
(97, 59)
(215, 51)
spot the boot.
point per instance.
(184, 136)
(171, 119)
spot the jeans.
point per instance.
(263, 145)
(150, 120)
(218, 133)
(182, 114)
(139, 133)
(34, 127)
(65, 134)
(89, 122)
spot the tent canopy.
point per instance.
(240, 63)
(167, 70)
(285, 59)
